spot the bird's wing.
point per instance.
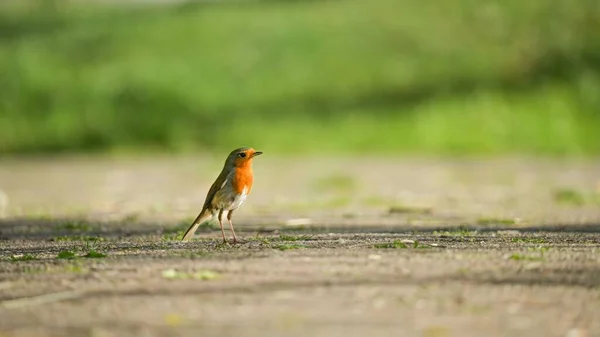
(203, 216)
(214, 188)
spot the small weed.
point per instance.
(173, 236)
(91, 244)
(23, 257)
(70, 255)
(397, 244)
(496, 222)
(417, 245)
(92, 254)
(289, 246)
(529, 240)
(522, 257)
(67, 255)
(284, 237)
(261, 239)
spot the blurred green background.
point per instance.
(382, 76)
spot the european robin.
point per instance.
(228, 192)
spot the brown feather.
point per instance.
(206, 212)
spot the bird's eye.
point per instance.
(242, 154)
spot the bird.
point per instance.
(228, 192)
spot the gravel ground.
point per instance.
(330, 247)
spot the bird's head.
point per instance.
(242, 156)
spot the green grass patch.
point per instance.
(173, 236)
(71, 255)
(92, 254)
(386, 77)
(23, 257)
(289, 246)
(262, 239)
(66, 255)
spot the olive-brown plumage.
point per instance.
(228, 192)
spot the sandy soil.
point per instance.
(331, 247)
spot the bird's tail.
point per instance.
(202, 217)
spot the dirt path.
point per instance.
(471, 248)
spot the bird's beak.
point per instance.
(257, 153)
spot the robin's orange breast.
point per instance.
(242, 180)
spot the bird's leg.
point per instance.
(221, 224)
(231, 225)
